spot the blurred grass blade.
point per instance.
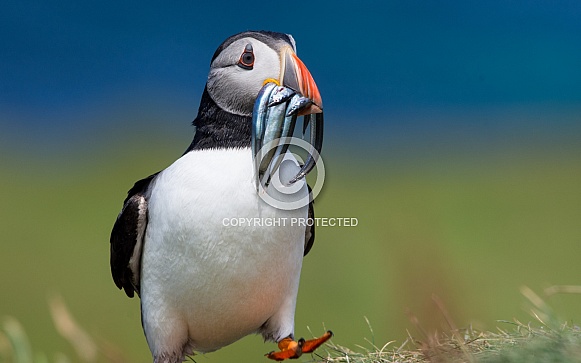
(83, 344)
(21, 350)
(563, 289)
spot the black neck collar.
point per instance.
(219, 129)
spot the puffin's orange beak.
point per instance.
(295, 75)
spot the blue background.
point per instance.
(67, 67)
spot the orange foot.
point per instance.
(291, 349)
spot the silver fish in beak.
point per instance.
(276, 109)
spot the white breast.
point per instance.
(205, 282)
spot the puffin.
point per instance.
(203, 281)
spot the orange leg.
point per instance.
(291, 349)
(309, 346)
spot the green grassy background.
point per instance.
(470, 225)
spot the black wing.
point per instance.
(127, 238)
(310, 230)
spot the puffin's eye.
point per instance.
(246, 60)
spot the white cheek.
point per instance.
(232, 89)
(266, 65)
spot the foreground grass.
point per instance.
(544, 340)
(520, 343)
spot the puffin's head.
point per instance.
(243, 63)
